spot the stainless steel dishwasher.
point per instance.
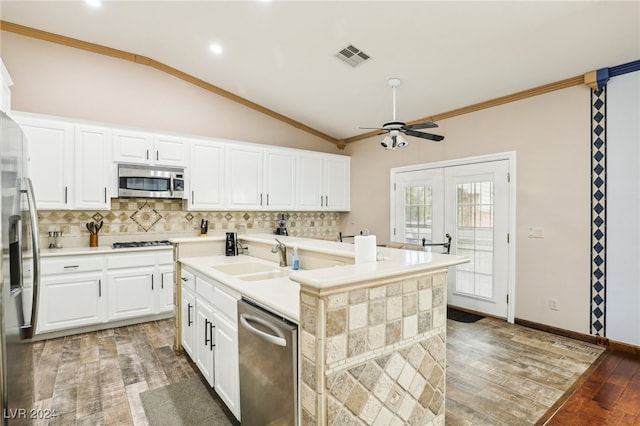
(268, 346)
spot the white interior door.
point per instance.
(470, 202)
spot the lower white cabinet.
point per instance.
(211, 336)
(84, 290)
(205, 352)
(188, 313)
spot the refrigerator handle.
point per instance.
(28, 329)
(276, 340)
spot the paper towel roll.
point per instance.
(365, 248)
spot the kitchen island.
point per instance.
(371, 335)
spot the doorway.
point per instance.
(471, 201)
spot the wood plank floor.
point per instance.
(609, 395)
(498, 374)
(503, 374)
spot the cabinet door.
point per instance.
(188, 321)
(227, 375)
(170, 151)
(68, 301)
(131, 293)
(337, 183)
(92, 161)
(206, 175)
(204, 344)
(165, 291)
(244, 178)
(49, 147)
(132, 147)
(279, 180)
(310, 182)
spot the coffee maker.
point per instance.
(231, 245)
(282, 226)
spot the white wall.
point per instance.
(623, 209)
(550, 134)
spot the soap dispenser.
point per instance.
(295, 262)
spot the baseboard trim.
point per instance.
(596, 340)
(624, 347)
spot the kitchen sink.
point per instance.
(263, 275)
(244, 268)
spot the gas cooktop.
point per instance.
(131, 244)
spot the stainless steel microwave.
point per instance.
(150, 181)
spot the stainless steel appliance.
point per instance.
(231, 245)
(130, 244)
(20, 278)
(268, 347)
(150, 181)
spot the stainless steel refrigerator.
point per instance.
(19, 281)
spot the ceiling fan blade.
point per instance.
(371, 128)
(427, 125)
(423, 135)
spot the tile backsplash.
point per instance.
(132, 219)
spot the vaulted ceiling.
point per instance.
(280, 56)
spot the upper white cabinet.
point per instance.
(324, 182)
(146, 148)
(50, 167)
(5, 85)
(260, 178)
(206, 175)
(91, 174)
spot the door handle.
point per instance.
(99, 288)
(189, 321)
(207, 341)
(211, 327)
(276, 340)
(105, 194)
(162, 281)
(147, 154)
(151, 282)
(29, 329)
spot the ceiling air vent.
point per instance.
(352, 56)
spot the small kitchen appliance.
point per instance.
(282, 226)
(231, 247)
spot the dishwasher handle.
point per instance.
(276, 340)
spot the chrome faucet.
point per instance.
(282, 249)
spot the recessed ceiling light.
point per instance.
(215, 48)
(94, 3)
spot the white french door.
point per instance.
(469, 202)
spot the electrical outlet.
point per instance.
(83, 226)
(553, 304)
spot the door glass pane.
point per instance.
(475, 238)
(418, 211)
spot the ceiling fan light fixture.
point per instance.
(401, 142)
(388, 143)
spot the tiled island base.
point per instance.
(374, 353)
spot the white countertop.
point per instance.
(279, 294)
(79, 251)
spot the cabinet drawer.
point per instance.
(131, 261)
(71, 265)
(188, 280)
(165, 258)
(204, 289)
(226, 303)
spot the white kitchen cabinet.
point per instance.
(205, 334)
(138, 285)
(215, 345)
(279, 179)
(206, 175)
(260, 178)
(92, 150)
(226, 374)
(5, 85)
(130, 146)
(188, 313)
(323, 182)
(130, 293)
(50, 167)
(165, 291)
(71, 293)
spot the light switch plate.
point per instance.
(535, 232)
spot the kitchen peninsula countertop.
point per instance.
(79, 251)
(282, 294)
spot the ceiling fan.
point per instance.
(395, 129)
